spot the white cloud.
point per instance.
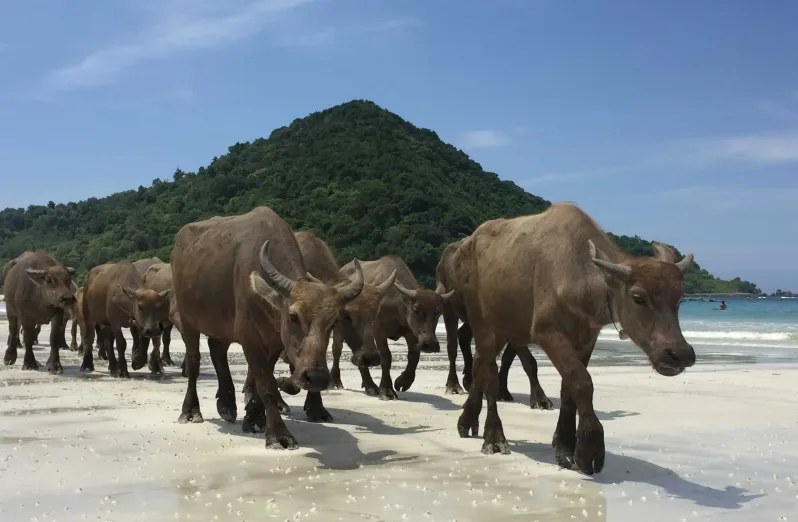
(177, 26)
(484, 139)
(764, 149)
(719, 197)
(396, 24)
(309, 40)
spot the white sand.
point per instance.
(718, 443)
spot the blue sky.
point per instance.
(676, 121)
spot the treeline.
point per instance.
(363, 179)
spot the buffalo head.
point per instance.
(356, 322)
(55, 283)
(148, 308)
(424, 308)
(647, 293)
(308, 312)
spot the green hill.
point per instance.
(362, 178)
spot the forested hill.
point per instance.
(362, 178)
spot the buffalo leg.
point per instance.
(74, 330)
(464, 337)
(367, 383)
(102, 351)
(166, 338)
(191, 405)
(275, 431)
(254, 420)
(582, 445)
(141, 345)
(36, 331)
(121, 346)
(13, 340)
(504, 372)
(385, 391)
(225, 393)
(154, 362)
(451, 321)
(315, 410)
(406, 378)
(57, 331)
(61, 341)
(89, 331)
(537, 397)
(29, 360)
(337, 348)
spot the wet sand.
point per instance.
(718, 443)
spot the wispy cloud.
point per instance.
(762, 149)
(484, 139)
(405, 22)
(170, 33)
(309, 40)
(726, 197)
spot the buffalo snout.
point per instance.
(431, 346)
(363, 359)
(68, 299)
(151, 332)
(314, 379)
(673, 361)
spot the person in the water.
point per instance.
(723, 305)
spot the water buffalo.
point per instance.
(242, 279)
(158, 277)
(454, 311)
(38, 288)
(115, 297)
(555, 279)
(407, 310)
(357, 322)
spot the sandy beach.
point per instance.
(717, 443)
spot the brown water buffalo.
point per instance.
(38, 288)
(555, 279)
(356, 327)
(115, 297)
(158, 277)
(242, 279)
(454, 311)
(408, 311)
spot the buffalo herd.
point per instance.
(553, 280)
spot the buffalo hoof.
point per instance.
(541, 403)
(124, 373)
(10, 356)
(101, 353)
(286, 385)
(504, 396)
(73, 347)
(387, 394)
(138, 361)
(154, 365)
(226, 412)
(281, 440)
(467, 427)
(30, 364)
(55, 367)
(404, 381)
(283, 407)
(318, 414)
(371, 390)
(253, 423)
(194, 417)
(589, 452)
(336, 383)
(167, 361)
(183, 369)
(489, 448)
(454, 389)
(87, 367)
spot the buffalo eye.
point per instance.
(638, 299)
(293, 317)
(347, 317)
(48, 280)
(141, 308)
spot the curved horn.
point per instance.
(685, 263)
(71, 271)
(281, 284)
(354, 288)
(383, 287)
(36, 274)
(663, 252)
(441, 291)
(412, 294)
(621, 272)
(314, 279)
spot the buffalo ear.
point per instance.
(37, 276)
(263, 290)
(71, 271)
(128, 292)
(166, 294)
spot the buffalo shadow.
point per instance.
(623, 468)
